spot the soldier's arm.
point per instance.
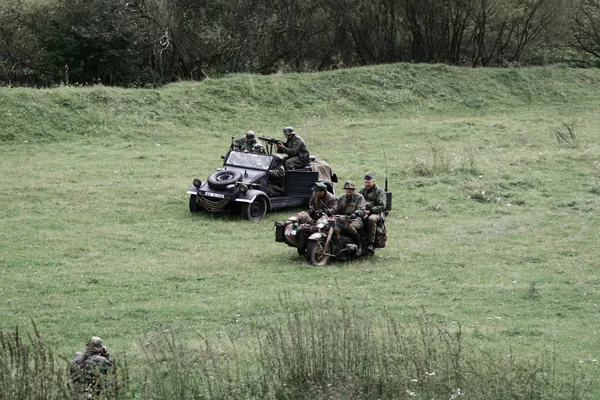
(277, 172)
(293, 149)
(238, 143)
(360, 207)
(331, 206)
(341, 205)
(379, 204)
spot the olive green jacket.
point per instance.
(295, 147)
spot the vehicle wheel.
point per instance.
(194, 206)
(256, 210)
(301, 251)
(221, 179)
(316, 253)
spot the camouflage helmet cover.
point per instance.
(96, 344)
(349, 185)
(304, 218)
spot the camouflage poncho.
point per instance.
(351, 205)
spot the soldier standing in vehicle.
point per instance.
(321, 202)
(374, 205)
(295, 148)
(352, 205)
(249, 143)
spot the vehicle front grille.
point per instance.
(213, 205)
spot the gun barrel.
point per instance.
(269, 140)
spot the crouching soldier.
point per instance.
(91, 367)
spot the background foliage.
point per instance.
(137, 42)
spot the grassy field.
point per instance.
(495, 175)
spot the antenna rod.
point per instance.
(386, 168)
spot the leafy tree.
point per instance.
(91, 41)
(20, 51)
(585, 24)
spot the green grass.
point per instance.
(495, 223)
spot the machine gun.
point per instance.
(270, 142)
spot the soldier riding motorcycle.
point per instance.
(332, 236)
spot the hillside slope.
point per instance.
(237, 101)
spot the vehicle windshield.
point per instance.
(249, 160)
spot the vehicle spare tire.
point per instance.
(221, 179)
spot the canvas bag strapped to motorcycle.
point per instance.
(380, 237)
(380, 234)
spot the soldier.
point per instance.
(295, 148)
(249, 143)
(90, 365)
(277, 177)
(352, 205)
(375, 204)
(321, 202)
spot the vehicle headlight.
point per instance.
(197, 183)
(243, 188)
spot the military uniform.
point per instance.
(375, 202)
(90, 365)
(353, 206)
(297, 153)
(249, 143)
(319, 205)
(276, 181)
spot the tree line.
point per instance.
(141, 42)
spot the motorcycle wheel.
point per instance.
(317, 254)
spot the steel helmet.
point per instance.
(349, 185)
(288, 130)
(250, 135)
(319, 187)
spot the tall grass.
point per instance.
(28, 368)
(315, 350)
